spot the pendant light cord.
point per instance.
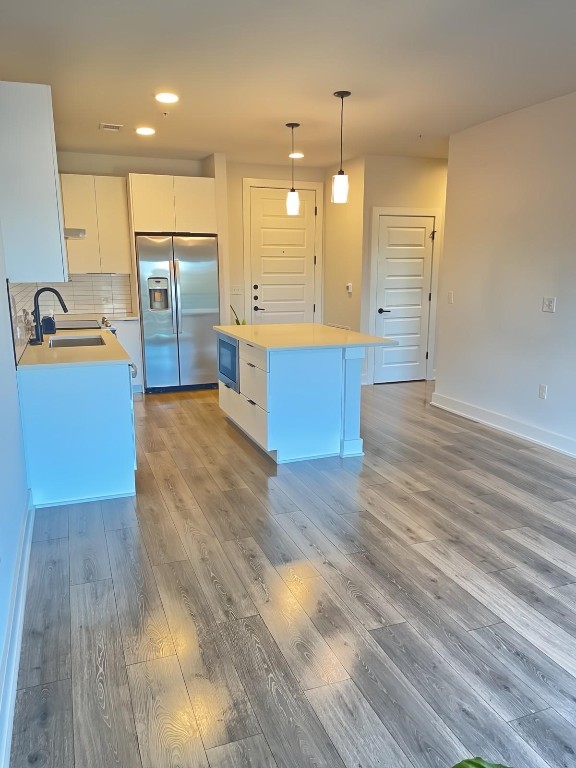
(341, 128)
(292, 190)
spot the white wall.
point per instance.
(343, 249)
(375, 181)
(509, 241)
(13, 509)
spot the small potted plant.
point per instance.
(236, 317)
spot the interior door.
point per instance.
(282, 257)
(405, 247)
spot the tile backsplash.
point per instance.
(83, 294)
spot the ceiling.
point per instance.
(418, 70)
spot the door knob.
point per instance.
(259, 309)
(381, 311)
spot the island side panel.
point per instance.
(352, 443)
(305, 403)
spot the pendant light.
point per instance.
(340, 180)
(292, 198)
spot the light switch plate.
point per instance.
(549, 304)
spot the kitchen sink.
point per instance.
(77, 341)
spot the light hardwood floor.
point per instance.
(406, 609)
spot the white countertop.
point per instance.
(109, 353)
(301, 336)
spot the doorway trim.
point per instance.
(438, 215)
(318, 186)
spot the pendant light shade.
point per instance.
(292, 203)
(340, 179)
(292, 198)
(340, 187)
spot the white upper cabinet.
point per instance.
(173, 204)
(195, 204)
(152, 201)
(30, 206)
(99, 205)
(79, 201)
(113, 224)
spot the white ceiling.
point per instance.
(418, 70)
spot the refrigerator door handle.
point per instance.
(174, 294)
(178, 296)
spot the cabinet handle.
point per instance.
(134, 370)
(251, 402)
(251, 365)
(227, 386)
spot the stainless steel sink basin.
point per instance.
(76, 341)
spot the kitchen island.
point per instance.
(77, 418)
(298, 388)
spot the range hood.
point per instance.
(73, 233)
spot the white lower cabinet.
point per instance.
(78, 426)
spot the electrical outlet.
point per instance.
(549, 304)
(543, 391)
(236, 290)
(450, 297)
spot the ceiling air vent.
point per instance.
(115, 127)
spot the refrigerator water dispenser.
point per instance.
(158, 293)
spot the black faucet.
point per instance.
(39, 336)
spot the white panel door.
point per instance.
(405, 245)
(282, 257)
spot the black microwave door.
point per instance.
(228, 362)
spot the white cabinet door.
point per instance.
(195, 205)
(113, 224)
(30, 206)
(79, 202)
(152, 202)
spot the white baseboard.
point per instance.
(529, 432)
(11, 657)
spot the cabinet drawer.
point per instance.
(251, 418)
(229, 400)
(255, 422)
(254, 383)
(254, 355)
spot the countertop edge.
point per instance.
(275, 346)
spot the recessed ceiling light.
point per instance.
(296, 155)
(144, 131)
(167, 98)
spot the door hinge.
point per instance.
(314, 308)
(433, 235)
(315, 210)
(426, 355)
(429, 297)
(314, 260)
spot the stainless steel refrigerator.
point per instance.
(178, 280)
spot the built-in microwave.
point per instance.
(228, 364)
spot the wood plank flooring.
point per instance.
(405, 609)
